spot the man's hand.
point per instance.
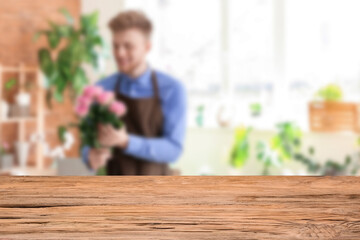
(110, 137)
(98, 157)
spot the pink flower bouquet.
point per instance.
(96, 106)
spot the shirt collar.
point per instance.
(142, 80)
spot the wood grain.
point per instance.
(179, 207)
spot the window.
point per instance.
(187, 36)
(274, 52)
(323, 44)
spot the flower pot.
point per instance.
(23, 99)
(4, 109)
(22, 151)
(6, 161)
(331, 116)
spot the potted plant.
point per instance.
(71, 47)
(5, 106)
(328, 113)
(6, 158)
(21, 107)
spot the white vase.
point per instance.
(4, 109)
(23, 99)
(6, 161)
(22, 150)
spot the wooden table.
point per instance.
(179, 207)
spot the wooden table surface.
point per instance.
(179, 207)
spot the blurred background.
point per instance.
(273, 85)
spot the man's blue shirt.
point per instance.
(164, 149)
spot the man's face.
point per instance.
(130, 49)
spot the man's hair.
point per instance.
(131, 19)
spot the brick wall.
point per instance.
(19, 20)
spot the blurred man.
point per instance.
(156, 103)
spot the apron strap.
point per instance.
(117, 85)
(153, 80)
(155, 85)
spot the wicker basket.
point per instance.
(334, 116)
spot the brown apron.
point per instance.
(144, 118)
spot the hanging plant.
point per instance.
(64, 67)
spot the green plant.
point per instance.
(241, 148)
(290, 141)
(10, 84)
(255, 109)
(64, 68)
(281, 147)
(266, 156)
(287, 141)
(285, 146)
(331, 92)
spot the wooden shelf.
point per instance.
(38, 102)
(17, 119)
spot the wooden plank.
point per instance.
(179, 207)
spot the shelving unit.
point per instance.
(38, 118)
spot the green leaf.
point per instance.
(93, 19)
(240, 152)
(10, 84)
(311, 150)
(64, 31)
(36, 36)
(80, 81)
(58, 95)
(46, 63)
(61, 133)
(89, 23)
(60, 85)
(67, 15)
(53, 39)
(64, 63)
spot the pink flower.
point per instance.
(82, 110)
(84, 100)
(118, 108)
(105, 97)
(83, 104)
(92, 91)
